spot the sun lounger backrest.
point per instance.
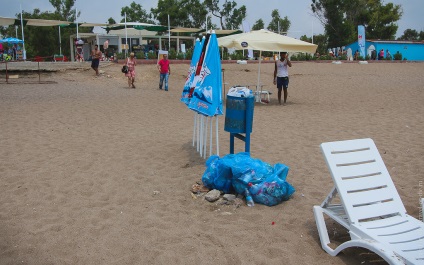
(365, 187)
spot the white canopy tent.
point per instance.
(264, 40)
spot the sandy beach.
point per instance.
(92, 172)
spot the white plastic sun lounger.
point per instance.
(370, 207)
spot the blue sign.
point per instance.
(361, 40)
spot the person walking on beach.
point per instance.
(381, 55)
(95, 59)
(105, 48)
(281, 75)
(131, 63)
(388, 55)
(164, 70)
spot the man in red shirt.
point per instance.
(164, 70)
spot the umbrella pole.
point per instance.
(258, 96)
(197, 132)
(210, 138)
(216, 135)
(194, 128)
(206, 137)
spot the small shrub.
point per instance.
(172, 54)
(151, 55)
(139, 55)
(397, 56)
(120, 55)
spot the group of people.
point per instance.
(10, 54)
(163, 67)
(381, 55)
(281, 74)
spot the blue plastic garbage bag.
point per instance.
(247, 170)
(274, 189)
(218, 175)
(237, 172)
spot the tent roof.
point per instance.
(185, 30)
(265, 40)
(6, 21)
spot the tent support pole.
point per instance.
(258, 96)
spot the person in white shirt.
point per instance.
(105, 48)
(281, 75)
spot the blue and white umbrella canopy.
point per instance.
(11, 40)
(192, 71)
(206, 89)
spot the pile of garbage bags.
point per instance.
(234, 173)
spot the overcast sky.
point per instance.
(297, 11)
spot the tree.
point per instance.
(381, 20)
(306, 38)
(111, 21)
(135, 13)
(278, 24)
(410, 34)
(340, 19)
(259, 24)
(320, 40)
(44, 41)
(64, 8)
(230, 17)
(182, 13)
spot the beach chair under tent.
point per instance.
(369, 205)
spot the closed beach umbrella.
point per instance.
(264, 40)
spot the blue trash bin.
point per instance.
(239, 119)
(239, 114)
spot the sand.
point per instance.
(92, 172)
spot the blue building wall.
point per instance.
(409, 50)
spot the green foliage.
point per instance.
(305, 38)
(120, 55)
(183, 13)
(44, 41)
(326, 57)
(135, 13)
(259, 24)
(152, 55)
(340, 19)
(64, 8)
(410, 34)
(111, 21)
(302, 57)
(189, 54)
(139, 55)
(172, 54)
(230, 17)
(276, 21)
(397, 56)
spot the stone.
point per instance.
(229, 197)
(238, 202)
(212, 195)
